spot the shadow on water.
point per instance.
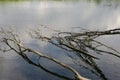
(13, 43)
(81, 49)
(27, 59)
(79, 44)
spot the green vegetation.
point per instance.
(99, 1)
(95, 1)
(12, 0)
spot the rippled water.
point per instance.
(59, 15)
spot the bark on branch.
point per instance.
(6, 40)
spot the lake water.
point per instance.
(58, 15)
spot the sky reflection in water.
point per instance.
(64, 16)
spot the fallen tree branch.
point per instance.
(81, 43)
(22, 48)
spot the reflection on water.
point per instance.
(60, 15)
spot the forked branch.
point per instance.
(22, 49)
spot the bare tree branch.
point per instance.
(81, 43)
(21, 49)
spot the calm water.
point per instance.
(64, 16)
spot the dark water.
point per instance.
(64, 16)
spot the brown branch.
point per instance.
(77, 75)
(82, 44)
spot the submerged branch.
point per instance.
(21, 49)
(81, 43)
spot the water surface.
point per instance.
(59, 15)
